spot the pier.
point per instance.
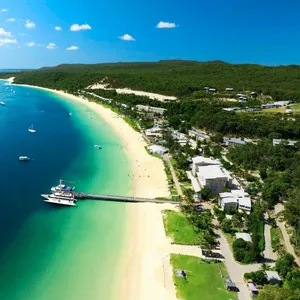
(84, 196)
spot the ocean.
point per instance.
(47, 251)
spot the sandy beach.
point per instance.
(146, 272)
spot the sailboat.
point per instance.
(30, 129)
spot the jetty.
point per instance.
(85, 196)
(65, 195)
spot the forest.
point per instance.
(174, 77)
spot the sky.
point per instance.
(37, 33)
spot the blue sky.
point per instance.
(236, 31)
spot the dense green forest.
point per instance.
(208, 115)
(280, 170)
(178, 78)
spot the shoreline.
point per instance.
(144, 259)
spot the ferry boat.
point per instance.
(62, 187)
(24, 158)
(61, 198)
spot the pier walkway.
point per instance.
(84, 196)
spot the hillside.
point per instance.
(174, 78)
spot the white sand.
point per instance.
(153, 96)
(147, 273)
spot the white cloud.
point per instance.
(30, 44)
(57, 28)
(4, 33)
(162, 24)
(3, 10)
(73, 48)
(51, 46)
(76, 27)
(11, 20)
(29, 24)
(126, 37)
(7, 41)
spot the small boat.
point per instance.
(2, 103)
(30, 129)
(98, 147)
(70, 114)
(24, 158)
(62, 187)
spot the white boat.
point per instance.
(2, 103)
(98, 147)
(24, 158)
(30, 129)
(62, 187)
(51, 198)
(70, 114)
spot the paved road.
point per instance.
(286, 237)
(235, 270)
(269, 255)
(175, 179)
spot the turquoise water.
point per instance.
(48, 251)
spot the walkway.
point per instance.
(269, 255)
(286, 237)
(175, 179)
(235, 270)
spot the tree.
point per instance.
(237, 221)
(205, 193)
(284, 264)
(271, 292)
(226, 226)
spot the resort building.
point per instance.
(156, 149)
(282, 103)
(146, 108)
(229, 89)
(199, 161)
(244, 236)
(289, 142)
(228, 141)
(154, 132)
(237, 199)
(213, 177)
(198, 135)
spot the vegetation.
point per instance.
(257, 277)
(203, 279)
(178, 227)
(276, 237)
(179, 78)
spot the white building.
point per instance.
(244, 236)
(156, 149)
(199, 161)
(154, 132)
(146, 108)
(237, 199)
(273, 277)
(282, 103)
(278, 141)
(213, 177)
(198, 135)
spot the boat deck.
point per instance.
(60, 201)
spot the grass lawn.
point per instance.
(178, 228)
(204, 281)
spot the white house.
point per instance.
(202, 161)
(238, 199)
(229, 89)
(198, 135)
(273, 277)
(278, 141)
(282, 103)
(156, 149)
(244, 236)
(213, 177)
(146, 108)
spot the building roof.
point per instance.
(278, 141)
(205, 160)
(234, 141)
(211, 172)
(229, 200)
(245, 201)
(244, 236)
(157, 148)
(199, 134)
(273, 275)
